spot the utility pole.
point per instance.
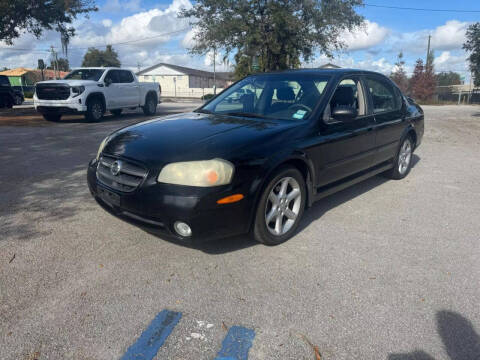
(428, 50)
(214, 75)
(54, 61)
(471, 87)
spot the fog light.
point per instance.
(182, 229)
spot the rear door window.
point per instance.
(114, 76)
(126, 76)
(383, 95)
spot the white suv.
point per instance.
(93, 91)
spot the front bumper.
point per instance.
(156, 207)
(70, 105)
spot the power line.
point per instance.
(422, 9)
(128, 42)
(131, 41)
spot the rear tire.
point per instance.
(117, 112)
(52, 117)
(18, 100)
(402, 163)
(95, 110)
(150, 107)
(281, 207)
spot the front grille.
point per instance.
(129, 177)
(52, 91)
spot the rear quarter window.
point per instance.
(385, 97)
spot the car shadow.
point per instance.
(212, 247)
(231, 244)
(459, 338)
(476, 114)
(332, 201)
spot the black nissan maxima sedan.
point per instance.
(254, 157)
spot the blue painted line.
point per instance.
(148, 344)
(236, 344)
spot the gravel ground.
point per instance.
(383, 270)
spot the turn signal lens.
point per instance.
(230, 199)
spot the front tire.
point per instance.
(18, 100)
(52, 117)
(150, 107)
(403, 161)
(281, 207)
(94, 110)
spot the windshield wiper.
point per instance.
(246, 114)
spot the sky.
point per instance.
(147, 32)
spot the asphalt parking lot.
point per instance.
(383, 270)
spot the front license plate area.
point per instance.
(109, 197)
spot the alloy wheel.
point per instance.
(405, 156)
(283, 206)
(97, 110)
(151, 106)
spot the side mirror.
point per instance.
(108, 81)
(344, 113)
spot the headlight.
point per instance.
(102, 145)
(77, 90)
(203, 173)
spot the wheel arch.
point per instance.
(150, 93)
(97, 95)
(298, 160)
(410, 131)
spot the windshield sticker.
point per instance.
(299, 114)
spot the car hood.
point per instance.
(192, 136)
(67, 82)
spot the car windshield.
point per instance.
(271, 96)
(85, 74)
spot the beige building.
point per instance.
(179, 81)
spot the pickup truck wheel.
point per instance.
(94, 110)
(18, 100)
(117, 112)
(52, 117)
(150, 107)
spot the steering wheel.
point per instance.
(300, 106)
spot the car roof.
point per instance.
(97, 68)
(314, 71)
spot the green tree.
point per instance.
(399, 75)
(278, 33)
(472, 45)
(62, 65)
(18, 16)
(95, 57)
(448, 78)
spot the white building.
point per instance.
(179, 81)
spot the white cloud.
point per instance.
(448, 36)
(189, 39)
(448, 62)
(107, 22)
(118, 6)
(365, 37)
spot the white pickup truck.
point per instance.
(93, 91)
